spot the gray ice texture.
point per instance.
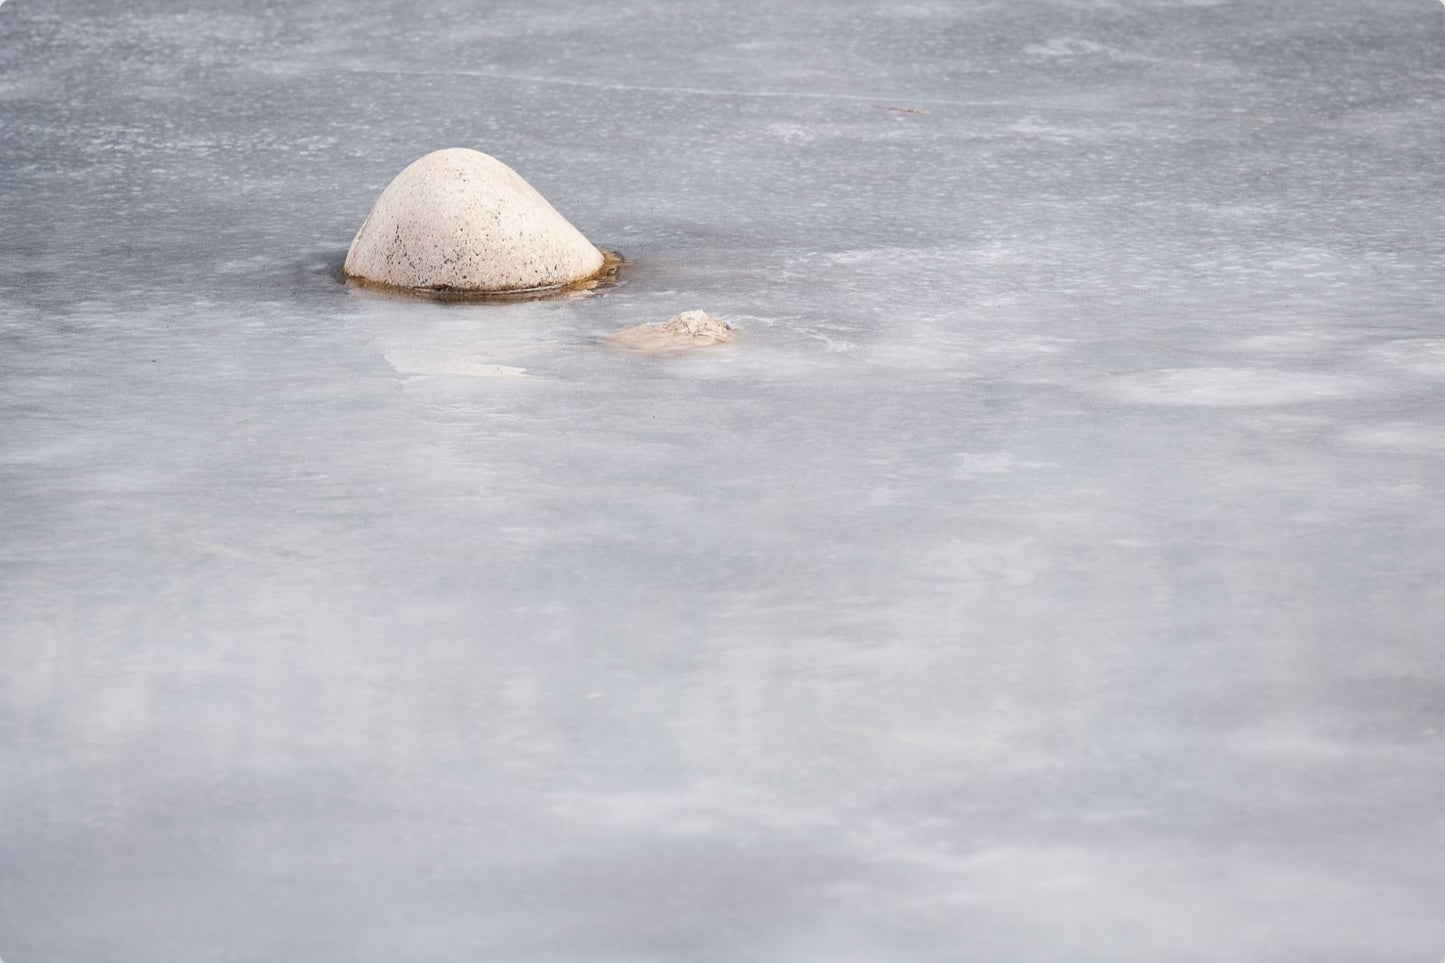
(1052, 568)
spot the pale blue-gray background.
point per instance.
(1052, 570)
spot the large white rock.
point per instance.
(460, 220)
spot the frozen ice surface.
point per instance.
(1052, 568)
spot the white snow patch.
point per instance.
(422, 362)
(1229, 387)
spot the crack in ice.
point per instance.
(668, 89)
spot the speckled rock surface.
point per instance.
(461, 220)
(690, 329)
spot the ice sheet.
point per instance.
(1052, 567)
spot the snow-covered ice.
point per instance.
(1053, 567)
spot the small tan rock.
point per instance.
(458, 220)
(690, 329)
